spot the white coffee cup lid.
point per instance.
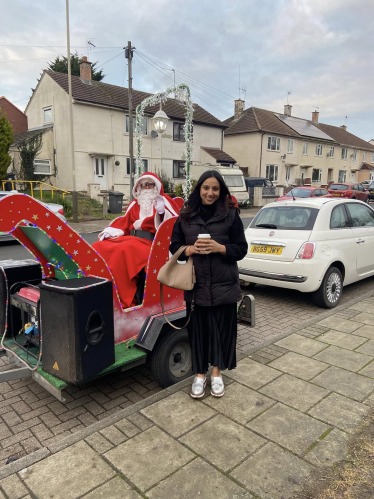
(204, 236)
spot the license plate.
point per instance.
(336, 194)
(272, 250)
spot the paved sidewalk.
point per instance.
(288, 408)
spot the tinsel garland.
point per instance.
(182, 93)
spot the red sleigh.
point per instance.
(64, 255)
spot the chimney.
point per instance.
(344, 127)
(287, 109)
(85, 69)
(239, 108)
(315, 115)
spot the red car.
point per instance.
(305, 192)
(349, 191)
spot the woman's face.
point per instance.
(209, 190)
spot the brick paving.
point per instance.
(31, 418)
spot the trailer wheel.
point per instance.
(171, 359)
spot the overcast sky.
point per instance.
(319, 50)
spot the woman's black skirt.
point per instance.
(212, 334)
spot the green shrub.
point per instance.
(178, 188)
(166, 182)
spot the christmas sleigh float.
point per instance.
(61, 318)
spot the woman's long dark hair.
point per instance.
(193, 204)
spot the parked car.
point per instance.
(370, 188)
(58, 209)
(365, 183)
(304, 192)
(349, 191)
(312, 245)
(252, 182)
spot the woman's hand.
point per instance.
(207, 246)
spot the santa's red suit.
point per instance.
(125, 254)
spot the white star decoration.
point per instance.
(96, 260)
(155, 271)
(48, 227)
(47, 214)
(78, 241)
(75, 253)
(59, 228)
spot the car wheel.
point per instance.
(171, 359)
(329, 293)
(246, 284)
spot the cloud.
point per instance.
(321, 50)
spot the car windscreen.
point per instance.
(338, 187)
(285, 218)
(371, 186)
(299, 193)
(233, 180)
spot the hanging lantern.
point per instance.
(160, 121)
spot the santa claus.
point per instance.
(126, 243)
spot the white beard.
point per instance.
(146, 198)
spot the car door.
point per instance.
(362, 222)
(340, 239)
(362, 193)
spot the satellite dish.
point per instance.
(154, 134)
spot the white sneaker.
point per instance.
(217, 386)
(198, 388)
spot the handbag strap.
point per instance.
(163, 309)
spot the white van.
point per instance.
(233, 178)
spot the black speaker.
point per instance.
(11, 272)
(77, 327)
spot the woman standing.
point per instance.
(212, 329)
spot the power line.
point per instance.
(147, 72)
(102, 65)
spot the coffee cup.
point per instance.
(204, 236)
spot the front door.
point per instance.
(353, 177)
(100, 168)
(362, 220)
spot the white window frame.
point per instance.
(45, 162)
(319, 180)
(371, 176)
(272, 140)
(342, 176)
(288, 173)
(290, 146)
(275, 172)
(128, 165)
(354, 155)
(319, 148)
(144, 121)
(305, 148)
(344, 154)
(332, 151)
(45, 110)
(372, 157)
(364, 156)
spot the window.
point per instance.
(290, 145)
(361, 215)
(42, 167)
(344, 153)
(178, 169)
(318, 150)
(372, 157)
(100, 166)
(274, 143)
(364, 156)
(305, 148)
(128, 166)
(339, 219)
(354, 155)
(233, 180)
(286, 218)
(342, 176)
(272, 172)
(316, 175)
(47, 115)
(332, 151)
(144, 127)
(288, 174)
(178, 132)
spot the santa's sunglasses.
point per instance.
(147, 185)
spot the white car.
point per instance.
(311, 245)
(57, 209)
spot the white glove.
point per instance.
(159, 204)
(110, 232)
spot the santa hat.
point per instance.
(150, 177)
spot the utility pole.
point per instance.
(71, 124)
(128, 55)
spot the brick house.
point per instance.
(15, 116)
